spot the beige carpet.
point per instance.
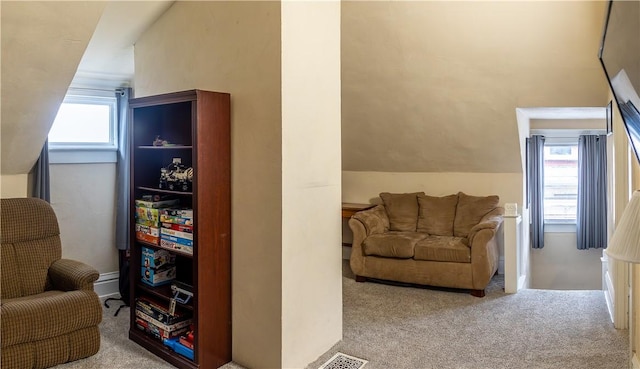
(406, 327)
(414, 328)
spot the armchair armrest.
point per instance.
(70, 275)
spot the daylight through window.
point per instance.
(560, 183)
(84, 121)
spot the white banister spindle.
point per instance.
(512, 253)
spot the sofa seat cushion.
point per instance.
(392, 244)
(443, 248)
(45, 315)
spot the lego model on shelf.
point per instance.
(180, 224)
(176, 177)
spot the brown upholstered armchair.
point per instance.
(49, 311)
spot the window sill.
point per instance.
(83, 155)
(560, 228)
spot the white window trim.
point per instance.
(563, 137)
(551, 227)
(83, 156)
(83, 153)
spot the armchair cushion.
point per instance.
(402, 209)
(28, 265)
(70, 275)
(49, 314)
(437, 214)
(470, 210)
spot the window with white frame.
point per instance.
(85, 129)
(560, 182)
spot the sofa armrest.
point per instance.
(483, 242)
(491, 221)
(374, 220)
(70, 275)
(363, 224)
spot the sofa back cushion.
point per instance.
(437, 214)
(470, 210)
(30, 244)
(402, 210)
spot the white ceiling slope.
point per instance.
(42, 44)
(433, 86)
(108, 61)
(48, 46)
(426, 86)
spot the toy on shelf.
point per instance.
(175, 345)
(176, 177)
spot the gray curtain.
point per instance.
(41, 184)
(122, 169)
(592, 192)
(535, 182)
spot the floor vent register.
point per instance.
(344, 361)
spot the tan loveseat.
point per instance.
(448, 241)
(49, 311)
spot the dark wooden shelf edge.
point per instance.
(160, 350)
(176, 147)
(153, 189)
(163, 292)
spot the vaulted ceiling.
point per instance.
(426, 86)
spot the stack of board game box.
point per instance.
(176, 229)
(156, 319)
(148, 218)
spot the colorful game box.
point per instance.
(156, 331)
(176, 346)
(175, 219)
(148, 234)
(176, 246)
(177, 227)
(156, 258)
(147, 216)
(160, 312)
(158, 276)
(174, 212)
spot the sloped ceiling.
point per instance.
(433, 86)
(426, 86)
(42, 44)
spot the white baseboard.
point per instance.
(107, 284)
(501, 265)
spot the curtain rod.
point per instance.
(121, 90)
